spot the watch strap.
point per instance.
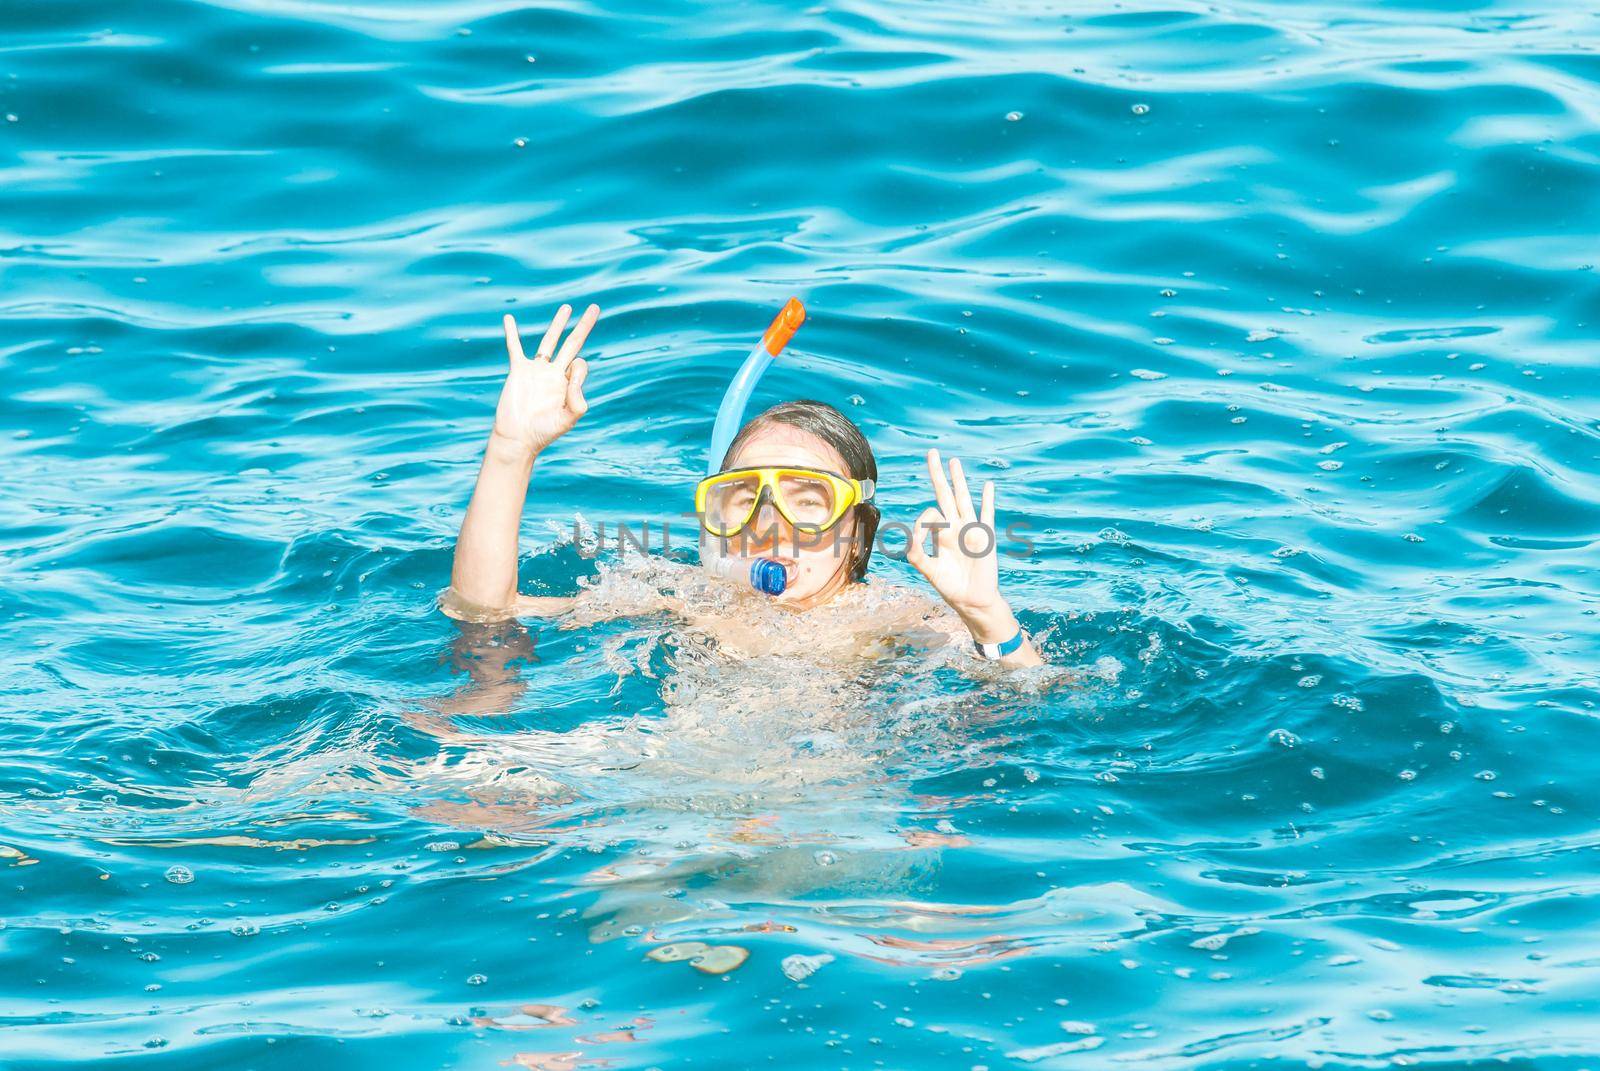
(1000, 650)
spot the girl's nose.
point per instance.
(767, 518)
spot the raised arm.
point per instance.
(963, 566)
(541, 400)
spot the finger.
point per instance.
(513, 339)
(576, 373)
(914, 550)
(987, 505)
(574, 343)
(958, 481)
(941, 486)
(915, 554)
(547, 345)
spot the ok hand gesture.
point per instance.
(963, 565)
(543, 395)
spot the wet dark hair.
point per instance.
(838, 431)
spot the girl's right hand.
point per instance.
(543, 395)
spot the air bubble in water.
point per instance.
(798, 968)
(179, 875)
(1141, 109)
(1013, 117)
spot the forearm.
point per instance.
(995, 623)
(485, 569)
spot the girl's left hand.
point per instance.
(964, 564)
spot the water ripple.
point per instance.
(1273, 324)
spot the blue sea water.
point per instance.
(1273, 322)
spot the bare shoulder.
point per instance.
(451, 604)
(544, 605)
(908, 614)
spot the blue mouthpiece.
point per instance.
(768, 576)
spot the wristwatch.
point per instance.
(994, 651)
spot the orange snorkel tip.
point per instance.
(730, 414)
(783, 326)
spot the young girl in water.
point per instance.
(795, 486)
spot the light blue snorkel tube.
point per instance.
(765, 574)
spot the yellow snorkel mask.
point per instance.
(811, 500)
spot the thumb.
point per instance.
(577, 371)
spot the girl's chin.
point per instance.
(793, 597)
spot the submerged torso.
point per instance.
(864, 620)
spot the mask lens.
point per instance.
(730, 502)
(809, 500)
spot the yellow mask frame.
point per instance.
(847, 492)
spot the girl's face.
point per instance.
(822, 559)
